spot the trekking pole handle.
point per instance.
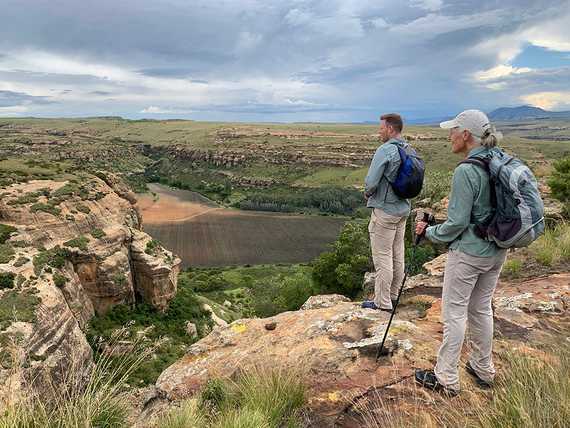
(425, 219)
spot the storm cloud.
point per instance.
(278, 60)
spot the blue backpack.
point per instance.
(410, 178)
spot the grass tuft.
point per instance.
(534, 393)
(553, 247)
(100, 401)
(257, 398)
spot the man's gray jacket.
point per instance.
(382, 171)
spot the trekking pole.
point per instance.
(381, 350)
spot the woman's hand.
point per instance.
(421, 228)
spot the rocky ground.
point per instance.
(332, 343)
(69, 250)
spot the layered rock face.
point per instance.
(332, 344)
(70, 250)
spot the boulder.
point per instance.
(323, 301)
(191, 329)
(155, 272)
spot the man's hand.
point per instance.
(421, 228)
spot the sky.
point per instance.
(281, 61)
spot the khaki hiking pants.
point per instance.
(387, 242)
(468, 287)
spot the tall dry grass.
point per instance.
(553, 247)
(86, 397)
(531, 392)
(256, 398)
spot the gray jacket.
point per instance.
(383, 170)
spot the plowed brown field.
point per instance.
(203, 234)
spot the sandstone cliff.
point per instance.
(70, 250)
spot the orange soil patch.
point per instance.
(169, 207)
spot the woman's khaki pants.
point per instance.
(468, 287)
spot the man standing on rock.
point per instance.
(473, 262)
(389, 213)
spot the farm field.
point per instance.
(205, 235)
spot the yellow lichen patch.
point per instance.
(334, 396)
(239, 328)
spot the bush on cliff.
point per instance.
(5, 232)
(142, 319)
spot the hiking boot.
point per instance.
(427, 379)
(480, 382)
(369, 304)
(394, 303)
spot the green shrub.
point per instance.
(50, 209)
(28, 198)
(21, 261)
(83, 208)
(16, 305)
(214, 394)
(437, 185)
(416, 258)
(559, 182)
(79, 242)
(170, 324)
(98, 233)
(5, 232)
(6, 253)
(7, 280)
(294, 291)
(553, 247)
(55, 257)
(119, 279)
(59, 280)
(342, 269)
(335, 200)
(152, 246)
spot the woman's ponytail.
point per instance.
(491, 138)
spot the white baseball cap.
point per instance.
(475, 121)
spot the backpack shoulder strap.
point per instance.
(482, 163)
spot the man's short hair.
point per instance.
(394, 120)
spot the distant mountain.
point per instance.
(525, 113)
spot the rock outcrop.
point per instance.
(71, 250)
(332, 343)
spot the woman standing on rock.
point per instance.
(473, 263)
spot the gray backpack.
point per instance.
(519, 211)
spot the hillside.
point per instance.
(526, 113)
